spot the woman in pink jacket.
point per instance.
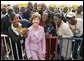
(35, 43)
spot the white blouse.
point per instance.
(36, 33)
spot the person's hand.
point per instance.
(50, 35)
(46, 34)
(24, 32)
(43, 55)
(59, 36)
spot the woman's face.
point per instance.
(39, 7)
(56, 20)
(45, 17)
(36, 21)
(16, 21)
(72, 20)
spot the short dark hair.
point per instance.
(12, 17)
(59, 16)
(3, 10)
(10, 11)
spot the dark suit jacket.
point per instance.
(14, 37)
(25, 23)
(5, 23)
(26, 15)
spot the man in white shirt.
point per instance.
(76, 25)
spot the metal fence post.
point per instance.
(17, 50)
(6, 48)
(11, 48)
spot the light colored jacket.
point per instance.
(35, 43)
(64, 30)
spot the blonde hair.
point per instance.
(36, 15)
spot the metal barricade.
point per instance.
(61, 45)
(48, 47)
(3, 37)
(10, 49)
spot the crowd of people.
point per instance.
(29, 26)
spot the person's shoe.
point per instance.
(73, 58)
(23, 54)
(62, 58)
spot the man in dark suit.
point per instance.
(5, 21)
(25, 23)
(27, 14)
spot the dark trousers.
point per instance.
(81, 49)
(75, 46)
(15, 51)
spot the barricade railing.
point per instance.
(68, 39)
(48, 47)
(8, 48)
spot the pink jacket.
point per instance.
(35, 43)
